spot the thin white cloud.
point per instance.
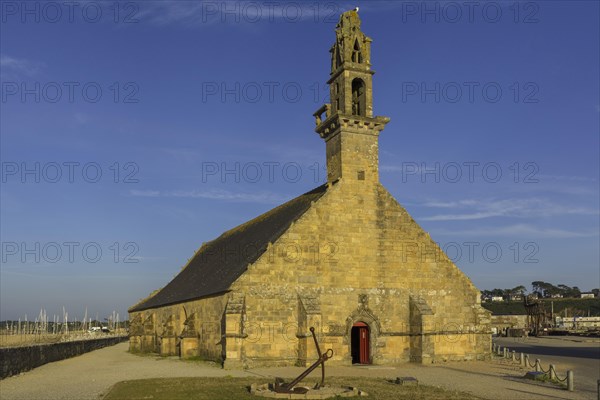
(16, 66)
(566, 187)
(517, 230)
(461, 217)
(144, 193)
(171, 12)
(225, 195)
(450, 204)
(416, 171)
(568, 178)
(265, 197)
(519, 208)
(146, 258)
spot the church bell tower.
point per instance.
(348, 127)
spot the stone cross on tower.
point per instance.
(349, 129)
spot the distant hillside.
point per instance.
(579, 307)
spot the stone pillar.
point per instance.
(234, 331)
(422, 349)
(168, 346)
(149, 342)
(189, 340)
(309, 315)
(135, 344)
(169, 337)
(136, 330)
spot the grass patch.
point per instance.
(146, 355)
(543, 378)
(238, 388)
(202, 360)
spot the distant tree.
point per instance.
(549, 289)
(596, 292)
(538, 286)
(569, 292)
(518, 290)
(564, 288)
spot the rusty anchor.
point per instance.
(281, 387)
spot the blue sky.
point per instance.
(148, 128)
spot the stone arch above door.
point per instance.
(363, 314)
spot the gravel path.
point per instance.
(91, 375)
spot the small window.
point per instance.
(356, 53)
(361, 175)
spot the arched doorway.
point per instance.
(360, 343)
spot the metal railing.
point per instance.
(524, 362)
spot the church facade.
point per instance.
(345, 258)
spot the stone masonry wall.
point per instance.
(208, 313)
(360, 254)
(14, 360)
(355, 255)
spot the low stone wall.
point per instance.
(14, 360)
(502, 323)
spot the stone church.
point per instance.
(345, 258)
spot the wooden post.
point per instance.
(522, 359)
(537, 365)
(552, 372)
(514, 356)
(570, 381)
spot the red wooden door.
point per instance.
(364, 345)
(363, 335)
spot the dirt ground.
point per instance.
(90, 376)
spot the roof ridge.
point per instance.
(266, 214)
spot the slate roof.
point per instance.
(218, 263)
